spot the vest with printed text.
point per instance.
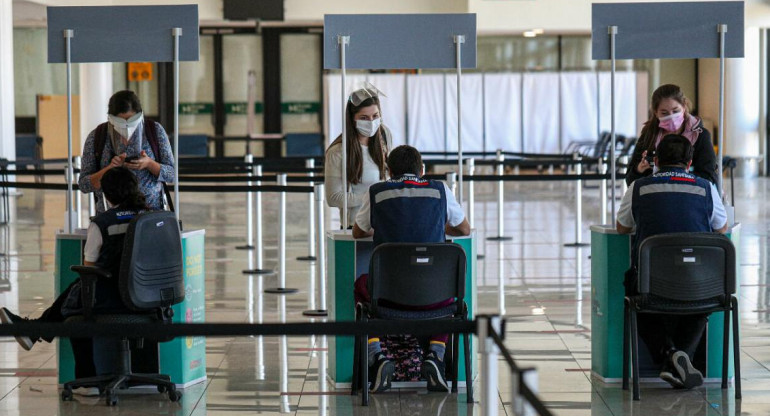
(408, 210)
(113, 224)
(670, 201)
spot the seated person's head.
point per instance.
(404, 159)
(675, 151)
(121, 188)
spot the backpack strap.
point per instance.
(100, 138)
(151, 134)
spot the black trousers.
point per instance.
(665, 333)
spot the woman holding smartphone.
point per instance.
(671, 115)
(127, 139)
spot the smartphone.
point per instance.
(650, 158)
(131, 158)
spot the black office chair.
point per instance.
(414, 274)
(151, 280)
(685, 274)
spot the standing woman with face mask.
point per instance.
(127, 139)
(368, 144)
(671, 115)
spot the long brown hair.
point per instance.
(378, 148)
(651, 129)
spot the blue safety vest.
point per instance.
(670, 201)
(408, 210)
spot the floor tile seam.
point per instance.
(305, 380)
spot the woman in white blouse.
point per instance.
(368, 144)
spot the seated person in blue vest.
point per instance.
(671, 200)
(103, 248)
(128, 139)
(415, 210)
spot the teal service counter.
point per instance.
(183, 359)
(348, 258)
(610, 258)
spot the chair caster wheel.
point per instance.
(162, 389)
(66, 395)
(174, 395)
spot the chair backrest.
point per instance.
(416, 274)
(687, 266)
(151, 274)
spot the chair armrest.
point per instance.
(88, 277)
(91, 270)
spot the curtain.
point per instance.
(625, 103)
(578, 103)
(502, 109)
(425, 112)
(541, 113)
(472, 116)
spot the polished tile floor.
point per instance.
(541, 280)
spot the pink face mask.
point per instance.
(672, 122)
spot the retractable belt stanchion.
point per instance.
(76, 194)
(258, 250)
(578, 204)
(310, 164)
(602, 166)
(318, 194)
(500, 200)
(488, 351)
(471, 195)
(623, 171)
(281, 289)
(248, 159)
(451, 181)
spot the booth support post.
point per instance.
(68, 35)
(249, 159)
(343, 41)
(471, 196)
(459, 40)
(603, 191)
(310, 164)
(613, 32)
(722, 30)
(176, 33)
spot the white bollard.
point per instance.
(281, 289)
(318, 194)
(249, 159)
(310, 163)
(451, 181)
(500, 200)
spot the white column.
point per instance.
(7, 111)
(95, 91)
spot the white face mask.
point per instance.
(368, 127)
(126, 128)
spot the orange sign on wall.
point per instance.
(140, 71)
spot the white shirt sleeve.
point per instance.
(454, 212)
(363, 218)
(718, 215)
(335, 191)
(625, 214)
(93, 243)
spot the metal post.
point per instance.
(281, 289)
(578, 203)
(310, 164)
(459, 40)
(501, 279)
(258, 249)
(500, 200)
(623, 171)
(343, 41)
(176, 33)
(68, 35)
(612, 31)
(603, 191)
(249, 159)
(91, 207)
(471, 190)
(76, 194)
(488, 351)
(451, 181)
(321, 248)
(722, 29)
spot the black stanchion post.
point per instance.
(281, 289)
(500, 200)
(310, 164)
(318, 194)
(249, 159)
(578, 204)
(258, 251)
